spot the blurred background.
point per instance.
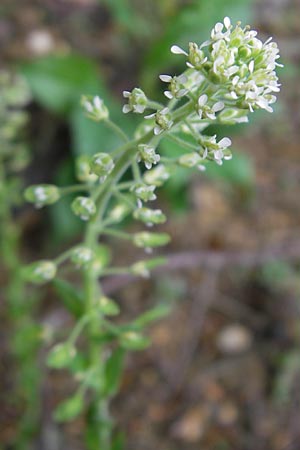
(224, 368)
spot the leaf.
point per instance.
(72, 298)
(69, 409)
(238, 172)
(113, 372)
(58, 81)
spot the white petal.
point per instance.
(251, 66)
(157, 130)
(165, 78)
(164, 111)
(225, 142)
(97, 102)
(168, 94)
(227, 22)
(202, 100)
(149, 116)
(126, 109)
(177, 50)
(126, 94)
(218, 106)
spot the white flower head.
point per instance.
(163, 120)
(137, 101)
(176, 86)
(206, 111)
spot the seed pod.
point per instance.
(145, 239)
(149, 216)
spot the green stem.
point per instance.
(116, 129)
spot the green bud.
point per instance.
(149, 216)
(147, 155)
(81, 256)
(101, 259)
(61, 356)
(69, 409)
(42, 194)
(230, 116)
(95, 108)
(142, 268)
(107, 306)
(102, 164)
(137, 101)
(132, 340)
(39, 272)
(119, 212)
(145, 192)
(157, 176)
(189, 160)
(83, 169)
(84, 207)
(145, 239)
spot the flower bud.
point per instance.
(39, 272)
(119, 212)
(137, 101)
(102, 164)
(189, 160)
(145, 239)
(149, 216)
(142, 268)
(147, 155)
(83, 169)
(157, 176)
(107, 306)
(84, 207)
(132, 340)
(94, 108)
(42, 194)
(101, 258)
(145, 192)
(81, 256)
(61, 356)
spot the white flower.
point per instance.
(137, 101)
(206, 111)
(163, 120)
(176, 86)
(147, 155)
(216, 151)
(217, 32)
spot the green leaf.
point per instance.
(58, 81)
(72, 298)
(238, 172)
(113, 372)
(69, 409)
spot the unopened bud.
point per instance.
(61, 356)
(145, 239)
(189, 160)
(149, 216)
(81, 256)
(83, 169)
(84, 207)
(157, 176)
(107, 306)
(39, 272)
(95, 108)
(145, 192)
(102, 164)
(42, 194)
